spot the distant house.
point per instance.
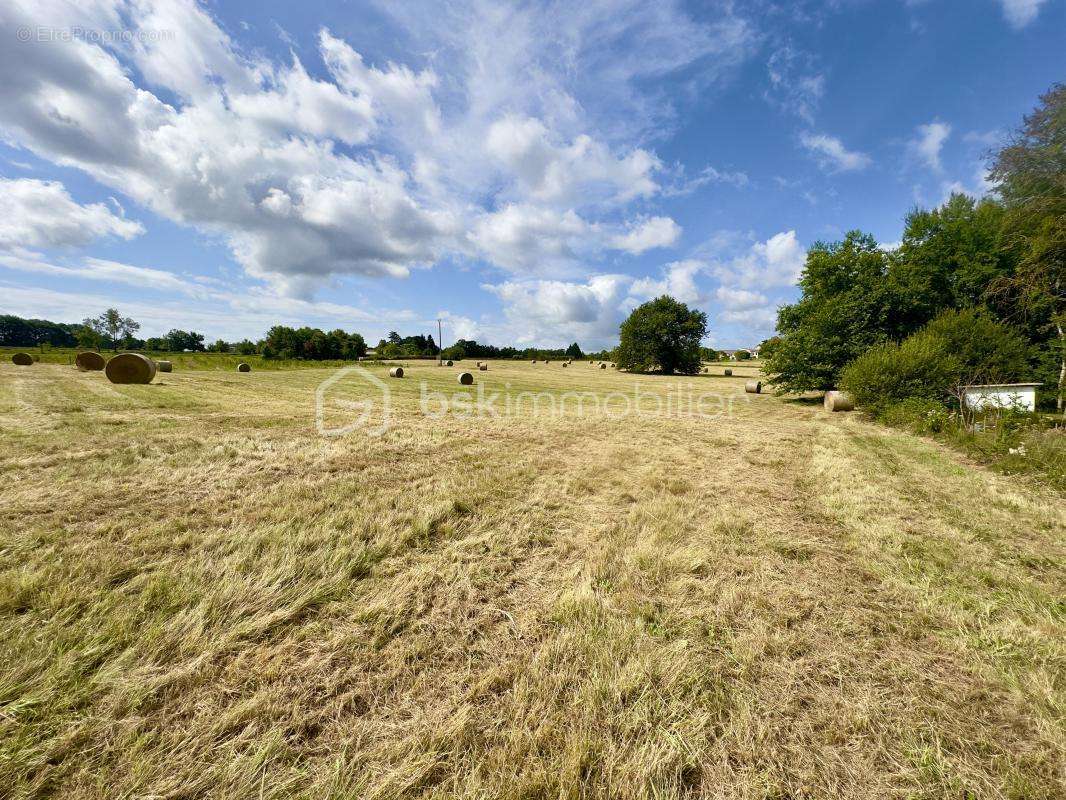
(986, 396)
(732, 354)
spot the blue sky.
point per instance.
(527, 173)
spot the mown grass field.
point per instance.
(202, 597)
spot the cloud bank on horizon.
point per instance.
(529, 173)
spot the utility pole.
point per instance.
(440, 345)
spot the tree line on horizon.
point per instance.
(112, 331)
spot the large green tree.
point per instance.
(113, 325)
(179, 341)
(662, 334)
(949, 257)
(844, 310)
(1030, 175)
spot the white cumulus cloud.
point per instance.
(556, 313)
(928, 142)
(37, 214)
(369, 168)
(1020, 13)
(647, 234)
(832, 154)
(678, 281)
(570, 173)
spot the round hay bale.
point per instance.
(465, 378)
(753, 387)
(534, 361)
(242, 367)
(448, 363)
(603, 366)
(566, 363)
(165, 366)
(838, 401)
(396, 372)
(727, 372)
(89, 361)
(705, 369)
(483, 367)
(130, 368)
(22, 359)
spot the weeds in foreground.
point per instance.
(1012, 442)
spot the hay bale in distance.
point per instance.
(242, 367)
(448, 363)
(89, 361)
(753, 387)
(483, 367)
(603, 366)
(130, 368)
(165, 366)
(396, 372)
(465, 378)
(566, 363)
(727, 372)
(22, 359)
(838, 401)
(534, 361)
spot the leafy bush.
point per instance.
(986, 350)
(888, 374)
(919, 415)
(958, 347)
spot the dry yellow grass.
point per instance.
(200, 597)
